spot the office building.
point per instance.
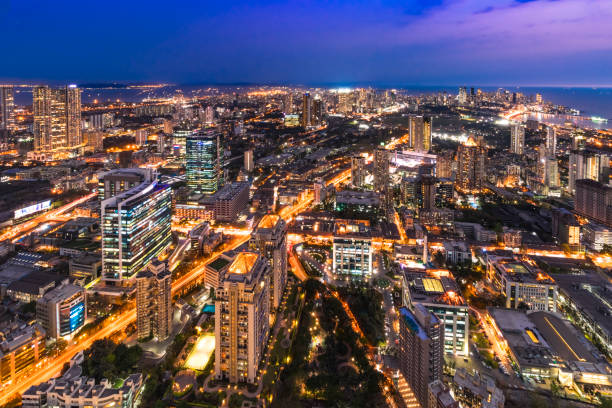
(204, 163)
(441, 296)
(594, 201)
(517, 139)
(62, 311)
(114, 182)
(358, 172)
(135, 229)
(231, 200)
(57, 118)
(471, 167)
(269, 238)
(21, 348)
(420, 133)
(522, 284)
(352, 250)
(154, 301)
(7, 110)
(179, 139)
(421, 353)
(83, 392)
(249, 165)
(242, 302)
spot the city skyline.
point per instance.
(501, 43)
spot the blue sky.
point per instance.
(439, 42)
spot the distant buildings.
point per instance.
(57, 118)
(135, 228)
(420, 133)
(154, 301)
(204, 163)
(306, 110)
(62, 311)
(517, 139)
(269, 238)
(352, 250)
(471, 166)
(421, 350)
(242, 318)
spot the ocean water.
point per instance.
(590, 101)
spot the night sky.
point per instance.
(410, 42)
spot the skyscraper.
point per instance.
(420, 133)
(154, 301)
(57, 118)
(242, 302)
(7, 109)
(306, 110)
(135, 229)
(288, 103)
(270, 239)
(586, 164)
(517, 139)
(594, 201)
(471, 166)
(204, 163)
(358, 171)
(551, 140)
(421, 348)
(381, 169)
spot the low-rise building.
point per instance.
(85, 268)
(352, 250)
(62, 311)
(21, 348)
(476, 390)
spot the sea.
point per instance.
(589, 101)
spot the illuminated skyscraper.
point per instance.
(135, 228)
(358, 172)
(7, 109)
(242, 301)
(471, 166)
(248, 160)
(270, 240)
(551, 141)
(587, 164)
(154, 301)
(57, 118)
(204, 163)
(381, 169)
(420, 133)
(288, 103)
(517, 139)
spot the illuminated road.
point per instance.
(17, 232)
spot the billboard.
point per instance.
(22, 212)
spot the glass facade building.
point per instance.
(204, 163)
(135, 230)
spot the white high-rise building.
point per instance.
(248, 161)
(517, 139)
(154, 301)
(57, 118)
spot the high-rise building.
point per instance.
(114, 182)
(358, 172)
(154, 301)
(420, 133)
(463, 96)
(551, 141)
(135, 228)
(352, 250)
(204, 163)
(248, 161)
(21, 348)
(242, 302)
(270, 239)
(470, 166)
(517, 139)
(587, 164)
(594, 201)
(179, 139)
(421, 348)
(306, 110)
(381, 169)
(62, 311)
(57, 118)
(7, 109)
(288, 103)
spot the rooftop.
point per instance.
(268, 221)
(243, 263)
